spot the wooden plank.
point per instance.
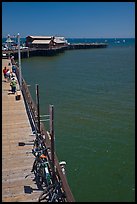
(16, 160)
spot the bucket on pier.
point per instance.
(18, 97)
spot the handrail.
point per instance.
(32, 114)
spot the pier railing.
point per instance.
(32, 115)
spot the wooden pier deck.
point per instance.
(16, 160)
(29, 52)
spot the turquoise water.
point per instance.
(93, 93)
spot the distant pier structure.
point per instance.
(49, 46)
(87, 45)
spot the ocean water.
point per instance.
(93, 93)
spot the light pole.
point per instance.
(20, 75)
(51, 109)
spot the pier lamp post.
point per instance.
(20, 74)
(52, 141)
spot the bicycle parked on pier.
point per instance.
(41, 167)
(53, 193)
(39, 141)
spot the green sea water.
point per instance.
(93, 93)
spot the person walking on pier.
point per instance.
(13, 85)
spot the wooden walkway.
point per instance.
(16, 160)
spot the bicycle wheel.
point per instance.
(38, 171)
(46, 195)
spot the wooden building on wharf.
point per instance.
(45, 41)
(48, 46)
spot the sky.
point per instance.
(69, 19)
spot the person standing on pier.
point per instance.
(12, 75)
(4, 72)
(13, 68)
(8, 75)
(13, 85)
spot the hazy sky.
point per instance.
(69, 19)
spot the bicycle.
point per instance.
(41, 167)
(53, 193)
(39, 141)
